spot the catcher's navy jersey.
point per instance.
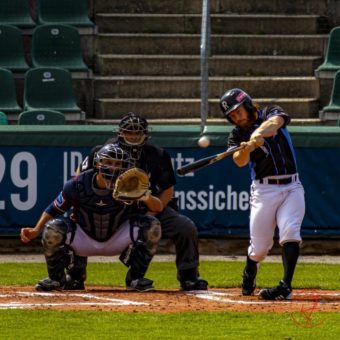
(276, 156)
(94, 210)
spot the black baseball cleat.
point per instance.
(47, 285)
(72, 284)
(280, 292)
(198, 284)
(248, 284)
(140, 285)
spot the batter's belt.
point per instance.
(279, 181)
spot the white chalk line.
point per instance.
(219, 296)
(110, 301)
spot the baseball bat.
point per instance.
(202, 163)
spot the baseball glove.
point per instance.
(131, 185)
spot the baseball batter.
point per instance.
(277, 196)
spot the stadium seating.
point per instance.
(16, 12)
(8, 97)
(331, 63)
(73, 12)
(57, 45)
(11, 49)
(51, 88)
(332, 110)
(41, 117)
(3, 118)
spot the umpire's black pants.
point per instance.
(183, 232)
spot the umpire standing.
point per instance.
(132, 136)
(277, 195)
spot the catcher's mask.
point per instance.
(132, 134)
(234, 98)
(111, 161)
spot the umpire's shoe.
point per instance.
(47, 285)
(198, 284)
(280, 292)
(140, 285)
(248, 284)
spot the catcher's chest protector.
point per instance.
(96, 211)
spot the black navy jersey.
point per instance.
(155, 161)
(94, 210)
(276, 156)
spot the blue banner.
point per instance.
(216, 197)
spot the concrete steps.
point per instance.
(189, 87)
(217, 6)
(219, 65)
(148, 55)
(233, 44)
(220, 23)
(197, 121)
(170, 108)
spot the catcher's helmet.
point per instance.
(234, 98)
(111, 161)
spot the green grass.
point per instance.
(48, 324)
(220, 274)
(27, 325)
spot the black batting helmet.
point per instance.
(234, 98)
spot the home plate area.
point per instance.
(166, 301)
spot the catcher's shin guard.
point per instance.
(140, 259)
(76, 274)
(56, 252)
(140, 253)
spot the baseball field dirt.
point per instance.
(97, 298)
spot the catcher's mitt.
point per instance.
(131, 185)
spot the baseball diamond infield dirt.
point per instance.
(97, 298)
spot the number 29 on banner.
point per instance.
(23, 175)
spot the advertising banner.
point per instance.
(216, 197)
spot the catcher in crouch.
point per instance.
(100, 224)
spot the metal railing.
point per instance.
(205, 52)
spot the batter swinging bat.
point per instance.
(202, 163)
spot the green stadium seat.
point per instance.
(57, 45)
(331, 63)
(41, 117)
(3, 118)
(8, 97)
(51, 88)
(16, 12)
(72, 12)
(334, 103)
(332, 110)
(11, 49)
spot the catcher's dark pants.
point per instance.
(183, 232)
